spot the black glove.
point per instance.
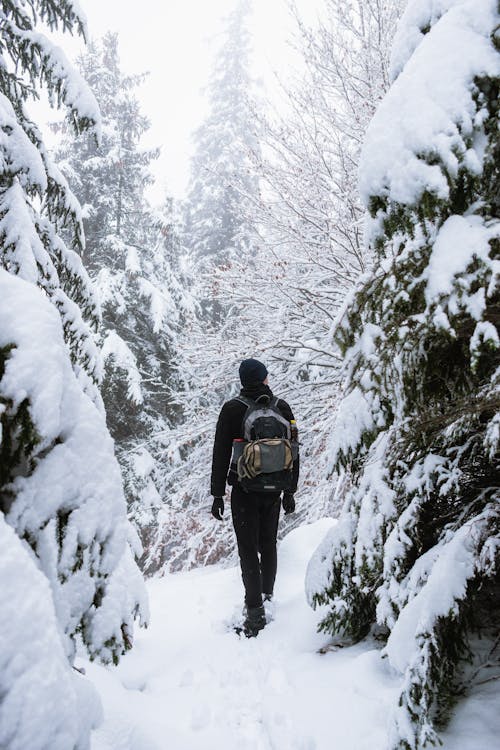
(218, 508)
(288, 503)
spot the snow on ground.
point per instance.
(192, 684)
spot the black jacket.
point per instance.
(229, 427)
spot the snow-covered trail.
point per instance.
(190, 684)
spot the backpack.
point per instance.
(264, 458)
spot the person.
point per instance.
(255, 515)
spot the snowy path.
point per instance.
(189, 684)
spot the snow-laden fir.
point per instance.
(415, 553)
(68, 569)
(131, 255)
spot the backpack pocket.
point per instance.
(266, 456)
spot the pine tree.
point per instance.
(162, 282)
(116, 218)
(131, 255)
(215, 220)
(31, 243)
(60, 488)
(416, 548)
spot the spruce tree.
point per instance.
(31, 240)
(415, 552)
(131, 255)
(215, 226)
(60, 488)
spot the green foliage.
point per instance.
(357, 613)
(18, 439)
(426, 368)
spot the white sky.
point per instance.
(175, 40)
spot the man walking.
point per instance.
(255, 513)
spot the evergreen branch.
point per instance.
(432, 424)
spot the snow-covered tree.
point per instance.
(162, 284)
(132, 255)
(60, 487)
(116, 218)
(416, 550)
(215, 226)
(31, 243)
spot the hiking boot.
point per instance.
(255, 621)
(269, 607)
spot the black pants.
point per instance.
(255, 520)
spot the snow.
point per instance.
(492, 441)
(354, 417)
(459, 240)
(32, 248)
(72, 90)
(477, 724)
(24, 239)
(25, 253)
(108, 290)
(45, 705)
(159, 303)
(143, 462)
(319, 568)
(417, 17)
(484, 332)
(446, 583)
(132, 262)
(192, 684)
(17, 153)
(189, 683)
(439, 114)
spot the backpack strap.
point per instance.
(253, 405)
(243, 400)
(249, 404)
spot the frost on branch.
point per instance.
(416, 550)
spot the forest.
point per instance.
(341, 225)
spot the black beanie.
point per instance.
(252, 371)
